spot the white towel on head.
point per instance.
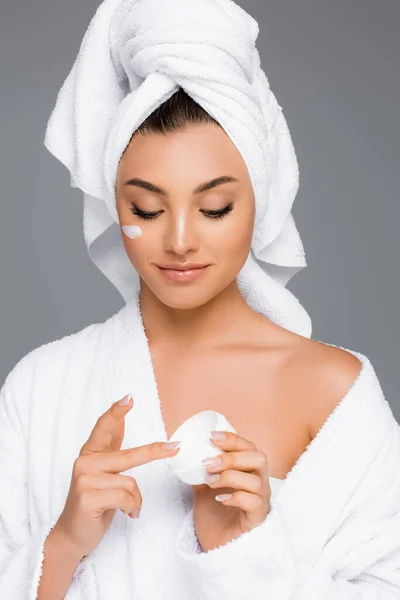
(135, 54)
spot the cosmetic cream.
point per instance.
(132, 231)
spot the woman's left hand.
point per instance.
(244, 474)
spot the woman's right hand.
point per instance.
(97, 488)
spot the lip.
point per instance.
(183, 274)
(185, 267)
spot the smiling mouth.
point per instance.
(191, 268)
(183, 275)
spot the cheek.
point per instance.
(139, 249)
(235, 239)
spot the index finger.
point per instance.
(108, 432)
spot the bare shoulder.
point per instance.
(330, 373)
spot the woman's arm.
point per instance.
(22, 548)
(59, 565)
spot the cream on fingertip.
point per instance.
(132, 231)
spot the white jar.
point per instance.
(194, 435)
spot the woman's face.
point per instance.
(181, 228)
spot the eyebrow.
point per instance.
(203, 187)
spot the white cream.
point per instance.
(132, 231)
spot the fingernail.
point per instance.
(125, 400)
(218, 435)
(223, 497)
(214, 461)
(212, 478)
(170, 445)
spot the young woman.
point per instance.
(304, 502)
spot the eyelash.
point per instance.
(210, 214)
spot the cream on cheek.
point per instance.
(131, 231)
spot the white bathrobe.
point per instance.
(333, 532)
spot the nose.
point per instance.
(180, 235)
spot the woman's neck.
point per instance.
(223, 319)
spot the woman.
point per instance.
(307, 502)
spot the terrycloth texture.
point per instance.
(333, 532)
(135, 54)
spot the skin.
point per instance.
(208, 335)
(210, 312)
(205, 320)
(207, 327)
(189, 315)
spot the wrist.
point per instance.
(59, 539)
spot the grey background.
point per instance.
(334, 68)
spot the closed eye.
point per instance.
(211, 214)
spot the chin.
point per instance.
(185, 298)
